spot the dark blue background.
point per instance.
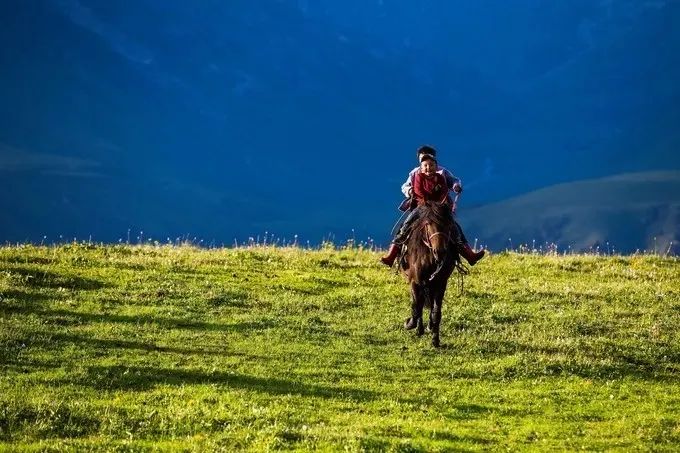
(226, 119)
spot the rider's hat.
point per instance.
(424, 157)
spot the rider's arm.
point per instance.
(418, 191)
(407, 187)
(451, 180)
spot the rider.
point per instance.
(413, 185)
(428, 185)
(452, 182)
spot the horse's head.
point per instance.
(438, 221)
(436, 240)
(430, 247)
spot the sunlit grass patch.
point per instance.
(178, 347)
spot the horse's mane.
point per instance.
(419, 256)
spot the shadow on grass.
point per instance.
(616, 370)
(611, 361)
(38, 278)
(120, 377)
(56, 340)
(483, 298)
(408, 439)
(457, 438)
(556, 297)
(59, 315)
(28, 364)
(23, 297)
(45, 421)
(463, 411)
(231, 299)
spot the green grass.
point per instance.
(178, 348)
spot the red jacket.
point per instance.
(430, 188)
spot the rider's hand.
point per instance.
(457, 188)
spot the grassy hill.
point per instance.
(133, 348)
(629, 211)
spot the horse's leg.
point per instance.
(421, 300)
(420, 328)
(437, 290)
(416, 319)
(412, 322)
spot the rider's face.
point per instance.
(429, 167)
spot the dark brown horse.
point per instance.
(430, 257)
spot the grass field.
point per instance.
(180, 348)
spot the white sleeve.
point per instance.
(408, 185)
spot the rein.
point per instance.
(428, 244)
(398, 223)
(428, 241)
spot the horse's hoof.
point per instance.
(435, 342)
(410, 324)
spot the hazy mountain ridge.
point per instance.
(628, 212)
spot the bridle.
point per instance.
(428, 240)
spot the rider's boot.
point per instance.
(392, 254)
(470, 255)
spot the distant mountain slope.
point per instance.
(224, 119)
(627, 211)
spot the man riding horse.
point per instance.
(433, 241)
(429, 182)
